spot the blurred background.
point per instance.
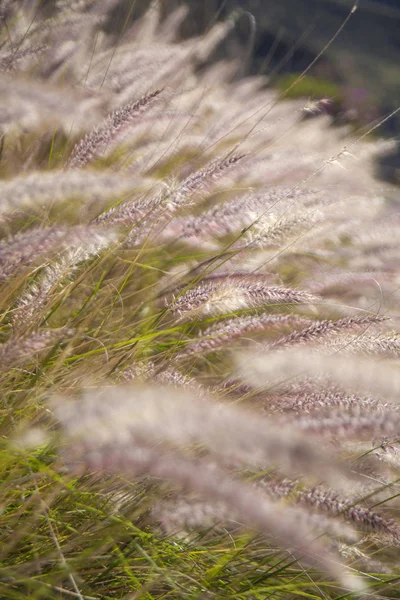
(359, 71)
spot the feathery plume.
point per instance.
(256, 512)
(133, 212)
(327, 284)
(222, 334)
(38, 188)
(116, 445)
(385, 344)
(240, 212)
(25, 248)
(207, 43)
(358, 374)
(351, 424)
(96, 142)
(273, 230)
(170, 26)
(22, 350)
(10, 61)
(301, 400)
(366, 563)
(313, 395)
(321, 329)
(226, 294)
(29, 307)
(180, 418)
(163, 375)
(189, 515)
(201, 180)
(333, 503)
(389, 454)
(33, 102)
(194, 514)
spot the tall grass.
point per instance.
(199, 352)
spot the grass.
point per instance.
(198, 325)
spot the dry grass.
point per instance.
(199, 333)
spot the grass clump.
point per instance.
(198, 337)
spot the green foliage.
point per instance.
(309, 87)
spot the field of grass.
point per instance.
(199, 333)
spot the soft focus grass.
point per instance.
(68, 536)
